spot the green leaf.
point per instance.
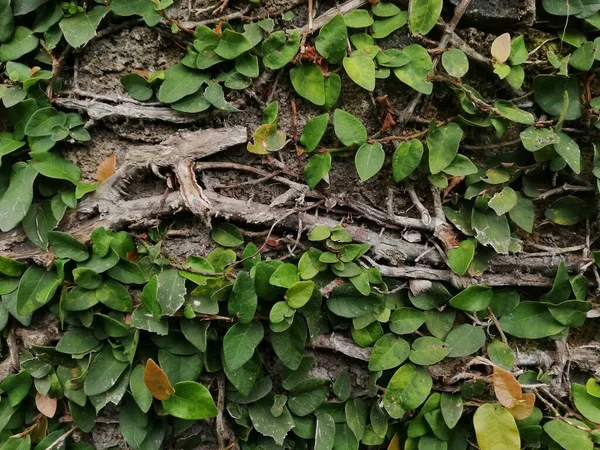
(423, 15)
(548, 91)
(583, 58)
(348, 302)
(406, 320)
(191, 401)
(65, 246)
(350, 131)
(17, 199)
(284, 276)
(385, 9)
(369, 160)
(530, 320)
(103, 373)
(7, 21)
(232, 45)
(437, 295)
(307, 396)
(495, 428)
(315, 170)
(289, 344)
(133, 423)
(13, 268)
(77, 342)
(139, 391)
(501, 354)
(408, 388)
(356, 417)
(503, 201)
(569, 150)
(514, 113)
(180, 81)
(227, 235)
(54, 166)
(277, 52)
(567, 211)
(43, 121)
(459, 258)
(561, 287)
(313, 132)
(267, 424)
(360, 67)
(137, 86)
(586, 404)
(491, 229)
(243, 300)
(170, 291)
(522, 213)
(428, 350)
(392, 57)
(22, 42)
(568, 435)
(331, 42)
(127, 272)
(455, 62)
(127, 8)
(308, 82)
(465, 340)
(36, 288)
(114, 295)
(247, 65)
(443, 145)
(8, 144)
(415, 73)
(406, 159)
(325, 432)
(451, 406)
(239, 343)
(342, 387)
(359, 18)
(180, 367)
(384, 27)
(80, 28)
(333, 86)
(388, 352)
(299, 294)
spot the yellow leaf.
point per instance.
(394, 443)
(524, 407)
(496, 428)
(506, 387)
(45, 405)
(106, 168)
(157, 382)
(501, 48)
(41, 430)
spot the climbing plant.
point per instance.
(141, 330)
(224, 335)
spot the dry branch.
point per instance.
(111, 207)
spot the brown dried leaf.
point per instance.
(524, 406)
(45, 405)
(506, 387)
(106, 169)
(388, 122)
(501, 48)
(157, 381)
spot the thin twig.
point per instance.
(57, 443)
(497, 324)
